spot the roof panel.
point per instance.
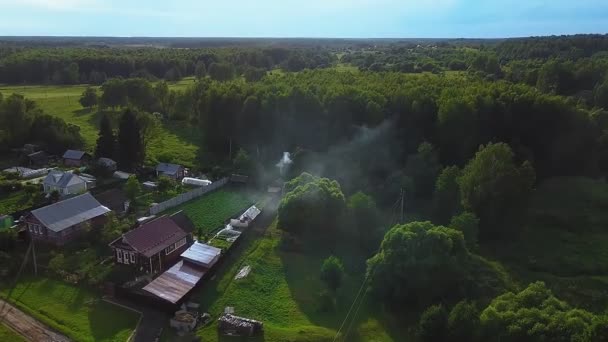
(201, 254)
(176, 282)
(61, 215)
(73, 154)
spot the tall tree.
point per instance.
(106, 142)
(88, 98)
(130, 149)
(200, 71)
(495, 188)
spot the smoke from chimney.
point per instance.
(284, 163)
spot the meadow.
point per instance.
(175, 142)
(284, 291)
(212, 210)
(74, 311)
(8, 335)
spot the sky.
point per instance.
(303, 18)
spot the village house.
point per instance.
(75, 158)
(153, 246)
(60, 222)
(170, 170)
(65, 183)
(115, 199)
(38, 159)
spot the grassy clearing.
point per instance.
(75, 312)
(176, 142)
(14, 201)
(283, 290)
(8, 335)
(212, 210)
(564, 242)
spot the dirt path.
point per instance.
(27, 326)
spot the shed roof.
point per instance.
(168, 168)
(153, 236)
(73, 154)
(114, 199)
(106, 162)
(176, 282)
(61, 215)
(201, 254)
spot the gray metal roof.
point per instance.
(106, 161)
(62, 179)
(176, 282)
(168, 168)
(73, 154)
(201, 254)
(61, 215)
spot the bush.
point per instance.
(433, 324)
(332, 272)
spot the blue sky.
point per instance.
(303, 18)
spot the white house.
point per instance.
(66, 183)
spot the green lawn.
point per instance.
(212, 210)
(14, 202)
(8, 335)
(283, 291)
(76, 312)
(177, 142)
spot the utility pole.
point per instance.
(34, 258)
(402, 205)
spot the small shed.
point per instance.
(170, 170)
(202, 254)
(115, 199)
(107, 163)
(230, 324)
(75, 158)
(246, 218)
(38, 159)
(121, 175)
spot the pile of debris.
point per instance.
(230, 324)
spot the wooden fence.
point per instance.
(187, 196)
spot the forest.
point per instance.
(466, 179)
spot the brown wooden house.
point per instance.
(60, 222)
(76, 158)
(153, 246)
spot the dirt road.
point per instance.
(27, 326)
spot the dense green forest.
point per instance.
(498, 151)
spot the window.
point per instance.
(132, 257)
(119, 255)
(175, 246)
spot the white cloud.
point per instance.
(55, 5)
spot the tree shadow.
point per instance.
(106, 323)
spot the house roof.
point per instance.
(61, 215)
(62, 179)
(183, 221)
(73, 154)
(153, 236)
(114, 199)
(201, 254)
(168, 168)
(176, 282)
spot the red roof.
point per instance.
(152, 237)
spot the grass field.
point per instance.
(283, 291)
(73, 311)
(176, 142)
(8, 335)
(14, 202)
(212, 210)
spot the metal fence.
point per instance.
(187, 196)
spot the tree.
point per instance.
(463, 322)
(332, 272)
(494, 188)
(114, 93)
(312, 208)
(165, 184)
(89, 98)
(601, 94)
(106, 142)
(468, 224)
(200, 71)
(54, 196)
(534, 314)
(423, 167)
(447, 195)
(132, 188)
(365, 217)
(242, 163)
(130, 148)
(221, 71)
(433, 324)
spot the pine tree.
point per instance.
(106, 143)
(130, 148)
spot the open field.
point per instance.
(176, 142)
(8, 335)
(76, 312)
(283, 290)
(212, 210)
(14, 202)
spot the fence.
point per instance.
(187, 196)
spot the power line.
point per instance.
(23, 263)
